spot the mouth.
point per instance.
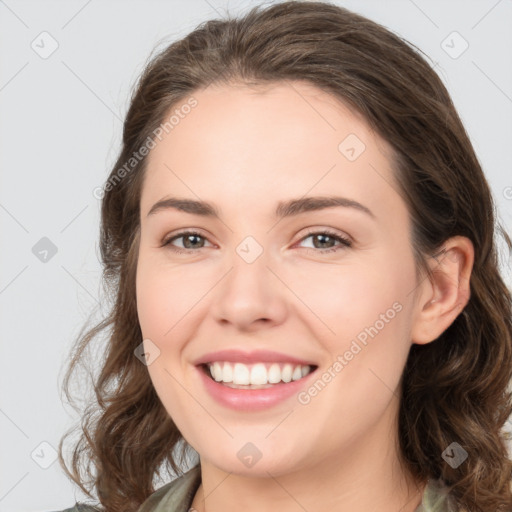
(251, 381)
(259, 375)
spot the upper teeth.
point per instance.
(258, 374)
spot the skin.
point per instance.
(245, 149)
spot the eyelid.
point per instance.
(182, 233)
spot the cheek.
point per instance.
(163, 300)
(165, 295)
(152, 305)
(343, 300)
(369, 315)
(362, 319)
(369, 309)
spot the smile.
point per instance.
(255, 376)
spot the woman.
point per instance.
(299, 241)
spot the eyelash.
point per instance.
(345, 242)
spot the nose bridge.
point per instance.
(249, 291)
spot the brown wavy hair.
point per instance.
(454, 389)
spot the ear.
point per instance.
(441, 299)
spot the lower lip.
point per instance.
(252, 399)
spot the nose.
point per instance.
(250, 296)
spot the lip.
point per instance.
(252, 399)
(255, 356)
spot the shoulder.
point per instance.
(436, 498)
(176, 495)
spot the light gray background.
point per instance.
(61, 120)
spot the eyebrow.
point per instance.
(284, 208)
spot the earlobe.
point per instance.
(446, 293)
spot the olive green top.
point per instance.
(177, 496)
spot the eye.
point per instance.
(191, 240)
(324, 241)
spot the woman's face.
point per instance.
(270, 281)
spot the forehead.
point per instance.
(240, 143)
